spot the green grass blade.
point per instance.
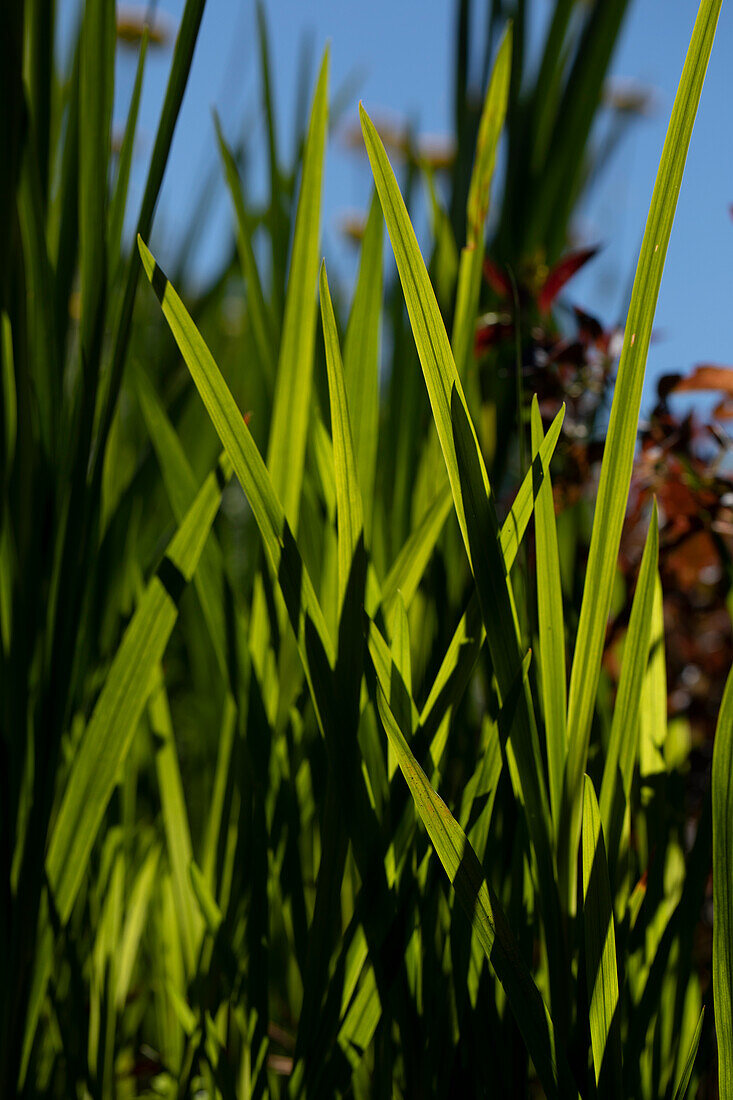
(482, 907)
(444, 260)
(722, 791)
(472, 256)
(469, 636)
(551, 626)
(623, 742)
(215, 818)
(119, 198)
(434, 350)
(436, 358)
(401, 643)
(177, 80)
(110, 731)
(39, 48)
(292, 401)
(683, 1081)
(181, 488)
(482, 785)
(409, 566)
(402, 662)
(393, 684)
(64, 213)
(322, 930)
(42, 970)
(618, 453)
(489, 131)
(135, 923)
(492, 581)
(210, 911)
(97, 69)
(455, 429)
(526, 768)
(468, 293)
(348, 495)
(267, 101)
(43, 351)
(257, 307)
(515, 524)
(185, 1016)
(452, 678)
(502, 631)
(477, 806)
(175, 822)
(361, 356)
(653, 702)
(277, 539)
(279, 228)
(361, 1020)
(563, 154)
(600, 953)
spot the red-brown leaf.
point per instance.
(724, 411)
(561, 273)
(497, 279)
(708, 377)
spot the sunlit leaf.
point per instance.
(621, 437)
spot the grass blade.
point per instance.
(683, 1082)
(256, 305)
(42, 969)
(653, 702)
(279, 228)
(469, 635)
(722, 791)
(483, 909)
(361, 357)
(119, 198)
(181, 488)
(277, 539)
(292, 402)
(97, 71)
(215, 820)
(135, 923)
(551, 625)
(618, 453)
(42, 355)
(526, 770)
(600, 952)
(409, 565)
(436, 358)
(177, 80)
(623, 742)
(210, 911)
(127, 687)
(452, 678)
(472, 256)
(401, 659)
(469, 484)
(348, 496)
(489, 131)
(175, 822)
(515, 524)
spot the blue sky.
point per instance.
(400, 54)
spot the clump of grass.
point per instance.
(297, 797)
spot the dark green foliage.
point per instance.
(292, 801)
